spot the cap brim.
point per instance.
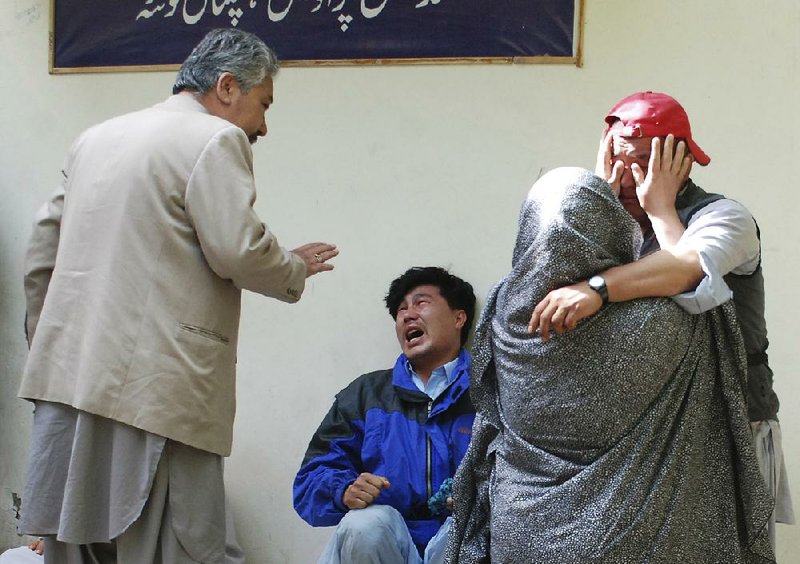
(699, 155)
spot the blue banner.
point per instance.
(122, 33)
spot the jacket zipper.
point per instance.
(428, 456)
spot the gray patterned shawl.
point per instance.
(624, 440)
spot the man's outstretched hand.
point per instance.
(316, 257)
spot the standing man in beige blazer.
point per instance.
(133, 282)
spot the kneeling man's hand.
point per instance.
(364, 490)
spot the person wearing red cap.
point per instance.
(701, 249)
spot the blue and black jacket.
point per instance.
(383, 424)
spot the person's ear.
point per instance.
(461, 318)
(226, 84)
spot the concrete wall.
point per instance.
(414, 165)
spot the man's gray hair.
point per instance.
(238, 52)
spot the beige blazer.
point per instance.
(136, 315)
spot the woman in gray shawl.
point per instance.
(624, 440)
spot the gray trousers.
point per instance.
(150, 538)
(100, 491)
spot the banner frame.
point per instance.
(576, 59)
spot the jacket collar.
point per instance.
(184, 102)
(401, 380)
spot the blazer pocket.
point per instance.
(209, 334)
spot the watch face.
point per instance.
(596, 282)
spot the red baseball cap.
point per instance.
(652, 114)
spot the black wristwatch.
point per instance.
(598, 284)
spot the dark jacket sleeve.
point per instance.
(332, 462)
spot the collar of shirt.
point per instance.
(439, 380)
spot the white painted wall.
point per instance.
(416, 165)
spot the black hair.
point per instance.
(457, 292)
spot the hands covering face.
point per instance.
(668, 168)
(606, 167)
